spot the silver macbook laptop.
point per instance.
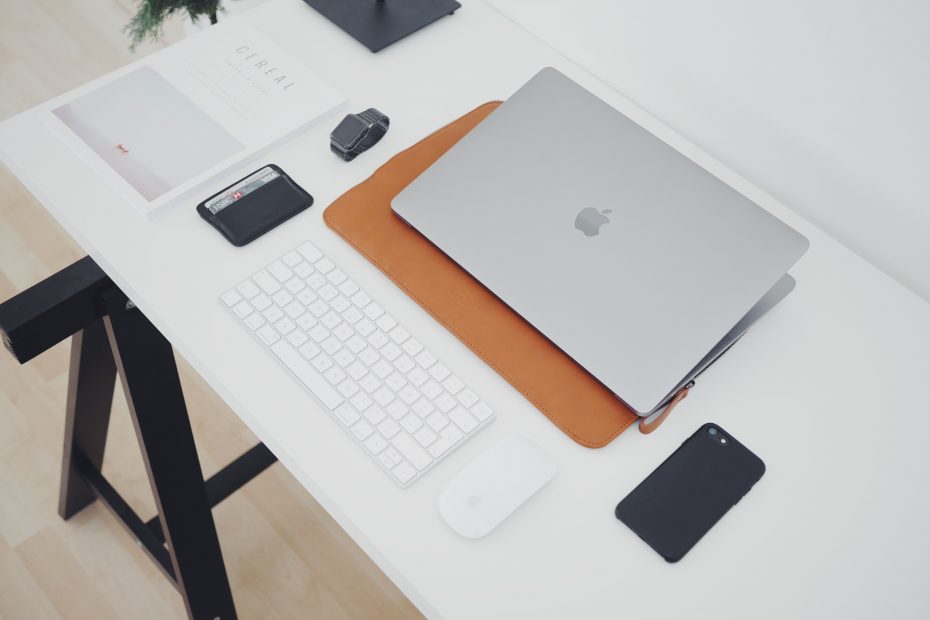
(634, 260)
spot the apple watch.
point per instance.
(357, 133)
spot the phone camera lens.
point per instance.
(712, 431)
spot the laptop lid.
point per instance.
(627, 255)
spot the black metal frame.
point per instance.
(114, 338)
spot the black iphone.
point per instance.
(690, 491)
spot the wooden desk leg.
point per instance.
(149, 376)
(91, 380)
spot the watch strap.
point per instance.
(378, 125)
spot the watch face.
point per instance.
(349, 132)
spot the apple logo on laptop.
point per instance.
(590, 220)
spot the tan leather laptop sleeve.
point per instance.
(556, 385)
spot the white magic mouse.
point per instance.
(494, 485)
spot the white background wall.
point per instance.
(823, 103)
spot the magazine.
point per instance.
(162, 128)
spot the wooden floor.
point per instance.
(286, 557)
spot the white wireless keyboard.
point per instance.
(391, 394)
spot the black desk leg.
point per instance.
(150, 380)
(87, 415)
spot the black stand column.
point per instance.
(377, 24)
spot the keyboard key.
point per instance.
(431, 390)
(334, 375)
(309, 351)
(391, 351)
(330, 319)
(481, 411)
(357, 370)
(282, 298)
(318, 333)
(409, 394)
(399, 334)
(467, 398)
(267, 282)
(336, 276)
(231, 297)
(375, 444)
(344, 358)
(291, 258)
(453, 385)
(361, 299)
(411, 422)
(331, 345)
(305, 321)
(346, 415)
(397, 410)
(297, 338)
(439, 372)
(242, 309)
(273, 314)
(285, 326)
(382, 368)
(343, 332)
(385, 322)
(383, 396)
(374, 415)
(364, 327)
(324, 265)
(378, 339)
(404, 364)
(340, 304)
(318, 308)
(396, 381)
(368, 356)
(306, 297)
(261, 302)
(373, 311)
(304, 372)
(423, 408)
(294, 309)
(279, 270)
(361, 402)
(322, 363)
(388, 428)
(452, 433)
(310, 252)
(254, 321)
(353, 316)
(248, 289)
(418, 377)
(412, 346)
(315, 280)
(348, 388)
(327, 292)
(268, 335)
(411, 450)
(303, 270)
(295, 285)
(425, 359)
(440, 446)
(369, 383)
(445, 402)
(463, 420)
(437, 421)
(386, 460)
(348, 288)
(425, 436)
(362, 429)
(404, 472)
(356, 344)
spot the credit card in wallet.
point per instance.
(241, 189)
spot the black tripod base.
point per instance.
(377, 24)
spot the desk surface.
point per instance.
(826, 389)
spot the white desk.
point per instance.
(827, 389)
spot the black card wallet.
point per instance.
(255, 204)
